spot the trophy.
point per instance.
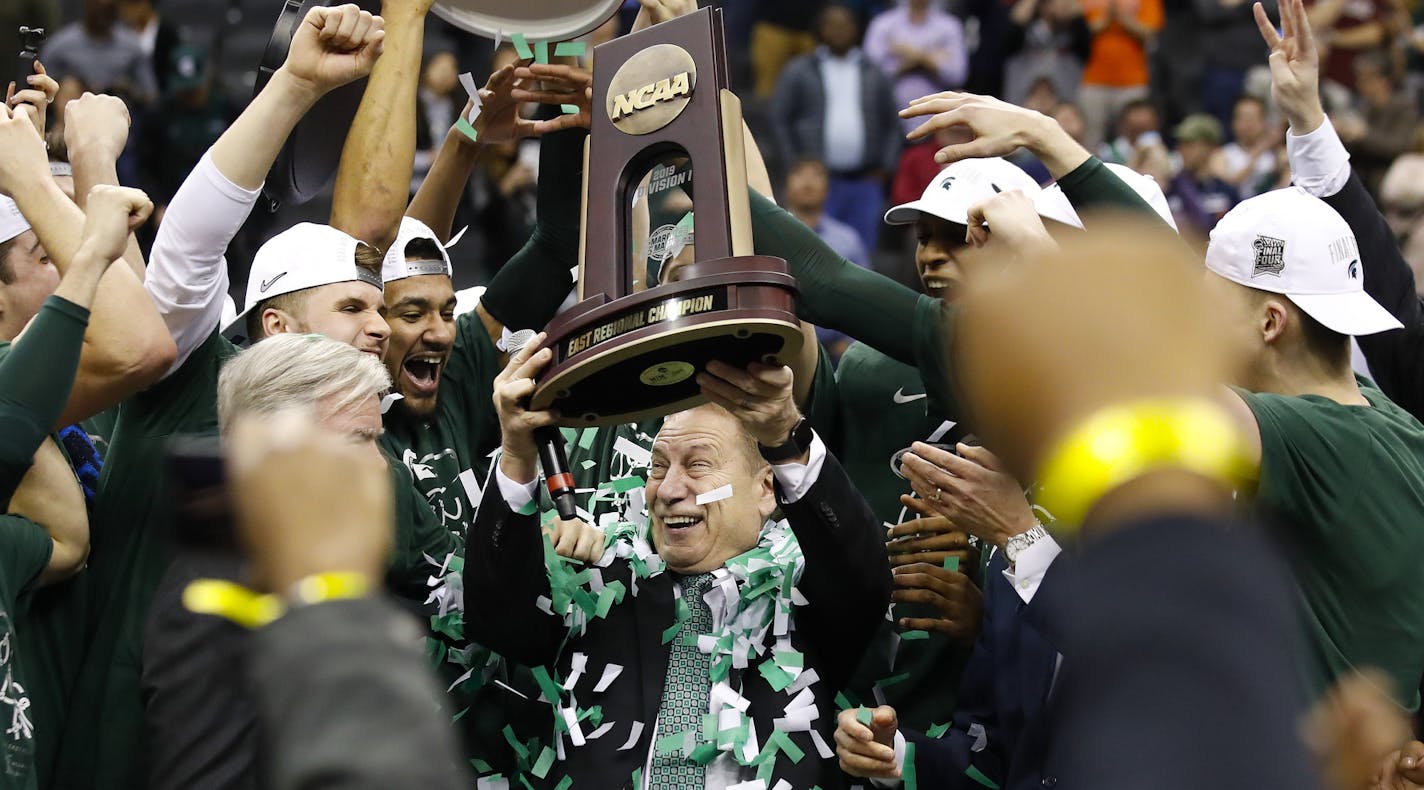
(657, 300)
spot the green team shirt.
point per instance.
(25, 550)
(1346, 484)
(882, 408)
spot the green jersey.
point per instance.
(883, 408)
(1346, 485)
(447, 453)
(25, 550)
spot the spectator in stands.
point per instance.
(1231, 46)
(836, 106)
(1048, 39)
(1197, 196)
(1249, 162)
(807, 185)
(1070, 116)
(193, 117)
(101, 55)
(156, 36)
(1116, 72)
(1138, 127)
(439, 100)
(1401, 197)
(1385, 125)
(1344, 29)
(921, 48)
(781, 33)
(986, 62)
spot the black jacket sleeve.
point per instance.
(846, 582)
(346, 700)
(1397, 357)
(527, 291)
(35, 380)
(504, 577)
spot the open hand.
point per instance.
(1295, 66)
(971, 489)
(760, 397)
(868, 750)
(654, 12)
(951, 592)
(334, 46)
(932, 539)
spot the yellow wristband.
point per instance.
(1123, 442)
(253, 610)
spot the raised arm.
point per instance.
(373, 182)
(126, 347)
(96, 129)
(187, 274)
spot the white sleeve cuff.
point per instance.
(1318, 160)
(1027, 573)
(899, 763)
(518, 496)
(797, 479)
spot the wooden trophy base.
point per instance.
(637, 357)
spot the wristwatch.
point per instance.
(796, 444)
(1015, 545)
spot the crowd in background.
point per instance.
(1176, 90)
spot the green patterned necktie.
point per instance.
(686, 692)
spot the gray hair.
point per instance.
(293, 371)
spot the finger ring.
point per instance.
(935, 496)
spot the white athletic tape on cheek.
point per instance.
(715, 495)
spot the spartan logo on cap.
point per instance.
(1354, 270)
(1270, 256)
(946, 183)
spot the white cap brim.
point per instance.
(909, 213)
(1354, 314)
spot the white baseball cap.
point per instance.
(1288, 242)
(12, 222)
(304, 256)
(960, 186)
(1052, 199)
(396, 267)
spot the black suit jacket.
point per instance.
(1005, 691)
(1396, 357)
(846, 583)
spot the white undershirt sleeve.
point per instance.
(187, 273)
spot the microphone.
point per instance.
(552, 458)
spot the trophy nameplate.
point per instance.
(624, 354)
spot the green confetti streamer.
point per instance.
(790, 749)
(524, 780)
(790, 659)
(623, 485)
(589, 464)
(544, 763)
(481, 767)
(569, 109)
(570, 435)
(638, 778)
(912, 635)
(569, 49)
(951, 563)
(843, 702)
(521, 46)
(978, 776)
(464, 127)
(704, 753)
(586, 437)
(937, 730)
(778, 678)
(863, 715)
(565, 783)
(519, 749)
(893, 679)
(541, 52)
(547, 685)
(907, 776)
(671, 744)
